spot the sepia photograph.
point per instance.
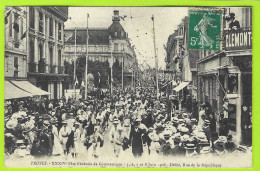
(127, 87)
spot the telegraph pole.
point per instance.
(75, 58)
(112, 62)
(86, 69)
(156, 61)
(123, 70)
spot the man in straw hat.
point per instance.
(136, 138)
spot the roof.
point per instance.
(97, 36)
(117, 27)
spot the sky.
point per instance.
(137, 24)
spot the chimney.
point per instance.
(116, 17)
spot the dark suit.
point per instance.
(137, 141)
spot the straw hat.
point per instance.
(11, 124)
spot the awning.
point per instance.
(14, 92)
(35, 91)
(181, 86)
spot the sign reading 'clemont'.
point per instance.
(205, 29)
(238, 39)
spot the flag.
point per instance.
(76, 81)
(83, 83)
(110, 61)
(16, 27)
(88, 15)
(99, 77)
(152, 18)
(6, 17)
(23, 36)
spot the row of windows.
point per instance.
(117, 47)
(122, 33)
(41, 23)
(14, 30)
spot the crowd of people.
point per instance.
(133, 120)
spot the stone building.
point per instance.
(45, 48)
(227, 74)
(16, 55)
(103, 42)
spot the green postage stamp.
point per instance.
(204, 29)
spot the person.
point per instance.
(70, 146)
(248, 128)
(44, 146)
(119, 139)
(136, 138)
(178, 150)
(97, 141)
(234, 24)
(63, 136)
(57, 148)
(77, 135)
(230, 146)
(113, 132)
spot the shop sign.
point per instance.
(238, 39)
(244, 63)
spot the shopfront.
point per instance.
(238, 48)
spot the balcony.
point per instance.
(41, 68)
(52, 69)
(32, 67)
(60, 69)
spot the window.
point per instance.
(181, 31)
(51, 57)
(122, 34)
(40, 51)
(16, 29)
(122, 47)
(115, 34)
(59, 58)
(31, 51)
(116, 46)
(232, 84)
(16, 67)
(40, 22)
(31, 15)
(59, 30)
(51, 27)
(204, 53)
(10, 25)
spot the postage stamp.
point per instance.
(204, 29)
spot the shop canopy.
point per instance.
(35, 91)
(181, 86)
(14, 92)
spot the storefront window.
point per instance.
(232, 84)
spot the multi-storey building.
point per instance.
(15, 45)
(45, 48)
(181, 63)
(16, 55)
(102, 44)
(227, 74)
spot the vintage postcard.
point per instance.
(128, 87)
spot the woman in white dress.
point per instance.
(57, 148)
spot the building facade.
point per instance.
(102, 44)
(181, 64)
(15, 43)
(227, 74)
(45, 48)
